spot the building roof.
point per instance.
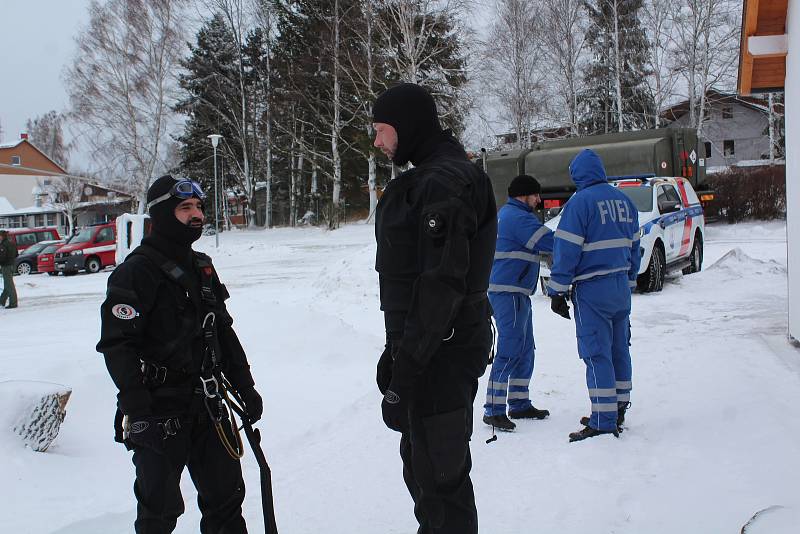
(680, 109)
(763, 46)
(11, 144)
(51, 208)
(14, 144)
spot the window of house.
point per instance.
(727, 112)
(38, 219)
(50, 219)
(16, 222)
(46, 182)
(16, 160)
(728, 148)
(708, 149)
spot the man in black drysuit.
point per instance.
(436, 227)
(157, 349)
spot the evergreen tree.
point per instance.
(615, 84)
(210, 101)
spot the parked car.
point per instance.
(671, 227)
(25, 237)
(27, 261)
(91, 249)
(45, 262)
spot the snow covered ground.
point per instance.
(712, 439)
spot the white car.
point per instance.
(672, 227)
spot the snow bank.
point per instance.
(738, 264)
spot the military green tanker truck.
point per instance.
(659, 152)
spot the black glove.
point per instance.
(253, 404)
(395, 407)
(151, 431)
(384, 372)
(397, 399)
(558, 303)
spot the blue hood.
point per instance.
(587, 169)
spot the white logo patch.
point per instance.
(124, 311)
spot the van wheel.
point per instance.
(24, 268)
(93, 265)
(696, 257)
(653, 278)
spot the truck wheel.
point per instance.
(653, 278)
(52, 273)
(93, 265)
(24, 268)
(696, 257)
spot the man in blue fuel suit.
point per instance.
(596, 251)
(521, 237)
(435, 227)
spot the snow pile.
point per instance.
(736, 263)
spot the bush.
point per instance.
(748, 193)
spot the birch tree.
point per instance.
(121, 85)
(706, 42)
(425, 41)
(515, 63)
(266, 21)
(66, 193)
(657, 21)
(241, 115)
(47, 133)
(563, 34)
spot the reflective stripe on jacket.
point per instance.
(598, 234)
(521, 237)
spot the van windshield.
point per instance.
(641, 196)
(84, 236)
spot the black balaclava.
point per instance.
(163, 214)
(410, 109)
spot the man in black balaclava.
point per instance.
(435, 228)
(167, 340)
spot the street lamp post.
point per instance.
(214, 142)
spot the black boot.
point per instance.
(500, 422)
(622, 407)
(589, 432)
(529, 413)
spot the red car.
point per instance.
(45, 261)
(91, 249)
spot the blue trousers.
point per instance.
(602, 324)
(512, 369)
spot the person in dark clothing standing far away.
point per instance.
(8, 253)
(521, 237)
(435, 228)
(596, 251)
(168, 342)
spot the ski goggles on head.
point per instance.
(183, 188)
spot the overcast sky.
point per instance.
(36, 41)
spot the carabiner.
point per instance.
(206, 381)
